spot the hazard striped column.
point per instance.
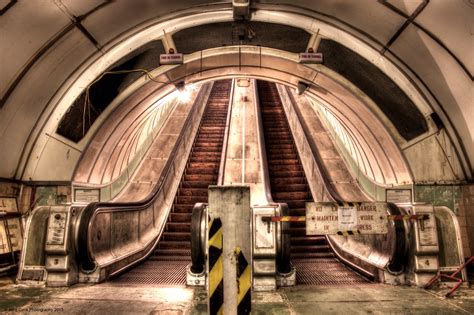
(216, 280)
(244, 297)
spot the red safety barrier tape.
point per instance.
(406, 217)
(284, 219)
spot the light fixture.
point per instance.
(301, 87)
(241, 9)
(184, 92)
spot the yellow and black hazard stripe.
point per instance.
(349, 232)
(244, 297)
(348, 204)
(216, 280)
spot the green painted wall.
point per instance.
(439, 195)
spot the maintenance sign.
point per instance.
(307, 57)
(346, 217)
(325, 218)
(86, 195)
(171, 59)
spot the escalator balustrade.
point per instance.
(173, 253)
(311, 255)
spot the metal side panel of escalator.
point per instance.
(167, 264)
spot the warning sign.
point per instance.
(347, 218)
(87, 195)
(321, 218)
(324, 218)
(307, 57)
(171, 59)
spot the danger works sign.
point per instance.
(325, 218)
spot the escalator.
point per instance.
(167, 264)
(311, 255)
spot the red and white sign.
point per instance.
(171, 59)
(307, 57)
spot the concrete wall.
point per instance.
(466, 219)
(28, 197)
(14, 189)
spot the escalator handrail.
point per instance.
(333, 194)
(283, 257)
(399, 254)
(261, 144)
(283, 242)
(84, 222)
(400, 228)
(399, 257)
(198, 237)
(220, 180)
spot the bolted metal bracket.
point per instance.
(286, 279)
(241, 9)
(195, 279)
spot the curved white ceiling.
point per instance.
(50, 48)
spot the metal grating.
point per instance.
(156, 273)
(186, 257)
(327, 271)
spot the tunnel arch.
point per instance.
(157, 29)
(282, 67)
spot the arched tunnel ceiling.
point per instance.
(376, 140)
(367, 77)
(59, 36)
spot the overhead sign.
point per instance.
(307, 57)
(325, 218)
(398, 195)
(171, 59)
(86, 195)
(8, 204)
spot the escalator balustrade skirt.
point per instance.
(167, 265)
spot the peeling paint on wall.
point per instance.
(439, 195)
(52, 195)
(460, 199)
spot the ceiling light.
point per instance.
(184, 92)
(301, 87)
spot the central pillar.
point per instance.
(232, 205)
